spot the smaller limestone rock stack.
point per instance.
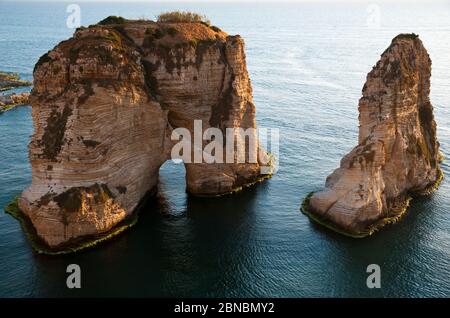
(397, 155)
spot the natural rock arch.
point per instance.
(105, 103)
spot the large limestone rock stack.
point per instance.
(105, 103)
(397, 154)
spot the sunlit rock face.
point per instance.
(397, 154)
(105, 103)
(9, 101)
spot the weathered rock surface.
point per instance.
(397, 154)
(10, 101)
(104, 105)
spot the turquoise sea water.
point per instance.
(307, 63)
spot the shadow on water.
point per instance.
(182, 246)
(397, 248)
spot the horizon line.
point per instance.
(238, 1)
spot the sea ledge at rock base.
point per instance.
(393, 216)
(71, 246)
(88, 242)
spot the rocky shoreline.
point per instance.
(10, 101)
(10, 81)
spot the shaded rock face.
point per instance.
(105, 103)
(397, 154)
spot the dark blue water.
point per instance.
(308, 63)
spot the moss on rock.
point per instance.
(395, 213)
(112, 19)
(75, 245)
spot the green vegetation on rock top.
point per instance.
(112, 19)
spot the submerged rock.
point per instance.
(104, 105)
(398, 153)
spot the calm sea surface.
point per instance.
(307, 63)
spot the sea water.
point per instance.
(307, 63)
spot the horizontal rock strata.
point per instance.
(105, 103)
(398, 153)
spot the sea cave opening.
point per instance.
(172, 186)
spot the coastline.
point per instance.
(11, 106)
(9, 81)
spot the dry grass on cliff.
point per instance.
(196, 32)
(182, 16)
(193, 30)
(172, 33)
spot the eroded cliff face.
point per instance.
(105, 103)
(397, 154)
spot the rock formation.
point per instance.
(11, 80)
(397, 155)
(104, 105)
(10, 101)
